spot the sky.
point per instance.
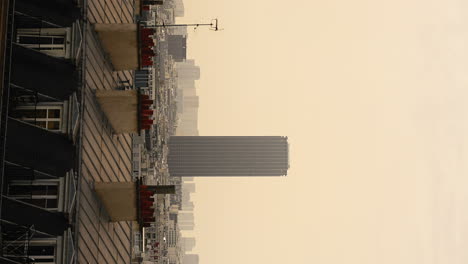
(372, 97)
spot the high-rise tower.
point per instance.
(228, 156)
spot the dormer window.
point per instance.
(42, 193)
(40, 248)
(54, 42)
(40, 189)
(46, 116)
(48, 113)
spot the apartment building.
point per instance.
(55, 139)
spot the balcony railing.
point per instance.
(15, 242)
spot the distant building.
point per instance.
(173, 236)
(191, 259)
(185, 217)
(179, 11)
(179, 30)
(186, 227)
(189, 122)
(191, 101)
(188, 101)
(228, 156)
(189, 243)
(177, 47)
(187, 206)
(189, 187)
(187, 70)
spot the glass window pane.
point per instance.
(49, 48)
(40, 113)
(54, 113)
(59, 40)
(53, 125)
(45, 40)
(33, 190)
(39, 193)
(39, 189)
(29, 39)
(41, 250)
(38, 123)
(41, 124)
(36, 202)
(42, 259)
(40, 40)
(32, 113)
(15, 190)
(51, 203)
(52, 190)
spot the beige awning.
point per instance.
(120, 42)
(121, 109)
(119, 199)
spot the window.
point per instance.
(45, 116)
(42, 253)
(51, 41)
(45, 193)
(44, 250)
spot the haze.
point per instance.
(372, 95)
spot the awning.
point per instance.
(129, 46)
(119, 199)
(123, 203)
(120, 41)
(121, 109)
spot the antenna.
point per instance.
(213, 25)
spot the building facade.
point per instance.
(177, 47)
(54, 139)
(40, 118)
(228, 156)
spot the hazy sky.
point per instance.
(372, 95)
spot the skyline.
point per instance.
(371, 94)
(371, 97)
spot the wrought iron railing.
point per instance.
(16, 241)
